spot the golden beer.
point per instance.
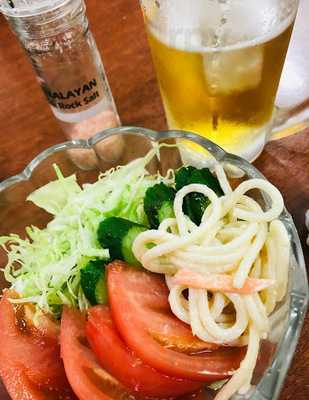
(222, 90)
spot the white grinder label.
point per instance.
(74, 98)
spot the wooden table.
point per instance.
(27, 125)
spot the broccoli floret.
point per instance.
(117, 235)
(195, 204)
(93, 281)
(158, 204)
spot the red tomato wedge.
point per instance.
(138, 301)
(30, 363)
(121, 362)
(87, 378)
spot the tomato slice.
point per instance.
(87, 378)
(18, 384)
(121, 362)
(138, 301)
(162, 325)
(3, 392)
(30, 363)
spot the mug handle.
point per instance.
(290, 120)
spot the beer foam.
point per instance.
(241, 24)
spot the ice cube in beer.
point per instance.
(233, 71)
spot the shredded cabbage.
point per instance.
(45, 267)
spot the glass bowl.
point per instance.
(118, 146)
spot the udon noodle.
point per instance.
(236, 238)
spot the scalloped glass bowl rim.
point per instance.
(269, 386)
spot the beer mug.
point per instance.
(219, 64)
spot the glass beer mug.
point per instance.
(219, 64)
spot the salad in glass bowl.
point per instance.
(163, 272)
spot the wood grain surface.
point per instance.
(27, 125)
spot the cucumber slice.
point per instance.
(158, 204)
(93, 282)
(117, 235)
(101, 290)
(166, 211)
(195, 204)
(127, 244)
